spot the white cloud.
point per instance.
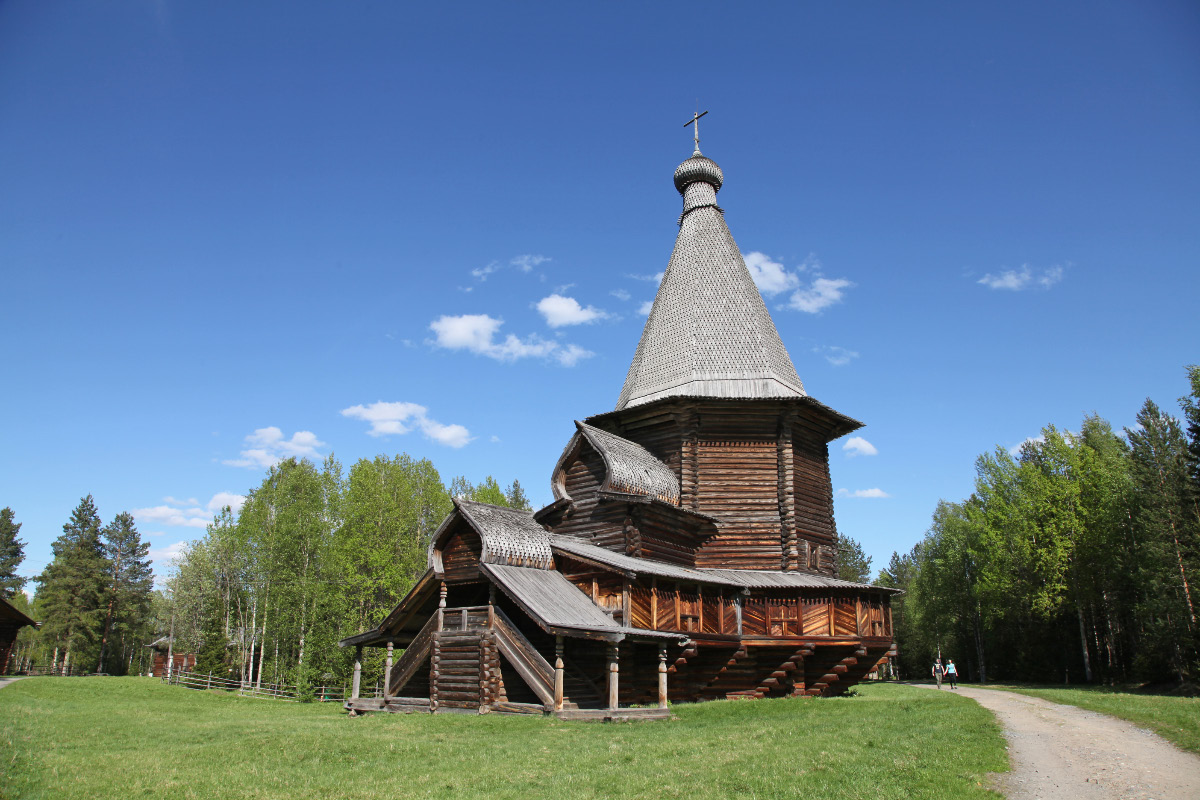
(866, 493)
(494, 439)
(621, 294)
(163, 556)
(175, 517)
(1014, 280)
(388, 419)
(267, 447)
(1015, 450)
(769, 276)
(527, 262)
(822, 293)
(571, 355)
(476, 333)
(1050, 277)
(838, 356)
(188, 513)
(858, 446)
(222, 499)
(655, 278)
(560, 311)
(644, 308)
(482, 272)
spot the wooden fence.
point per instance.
(286, 692)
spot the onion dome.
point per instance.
(698, 168)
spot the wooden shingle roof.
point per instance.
(736, 578)
(709, 333)
(631, 467)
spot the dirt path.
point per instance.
(6, 681)
(1062, 752)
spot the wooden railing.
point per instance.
(414, 656)
(528, 662)
(267, 691)
(465, 618)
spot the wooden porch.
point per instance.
(475, 660)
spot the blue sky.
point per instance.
(228, 231)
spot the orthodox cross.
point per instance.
(695, 120)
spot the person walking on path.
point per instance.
(952, 673)
(938, 671)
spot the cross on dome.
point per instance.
(695, 120)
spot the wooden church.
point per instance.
(690, 552)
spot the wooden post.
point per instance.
(614, 669)
(387, 674)
(441, 612)
(858, 618)
(832, 614)
(654, 604)
(558, 673)
(625, 615)
(737, 610)
(491, 606)
(699, 609)
(662, 676)
(357, 672)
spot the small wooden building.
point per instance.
(690, 552)
(164, 653)
(11, 621)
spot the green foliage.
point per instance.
(853, 564)
(314, 555)
(71, 587)
(12, 553)
(130, 581)
(892, 741)
(515, 497)
(1082, 540)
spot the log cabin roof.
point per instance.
(10, 613)
(630, 468)
(558, 606)
(739, 578)
(834, 423)
(508, 535)
(768, 579)
(628, 565)
(709, 333)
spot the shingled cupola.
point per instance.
(713, 394)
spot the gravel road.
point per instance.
(1061, 752)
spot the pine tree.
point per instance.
(130, 581)
(12, 553)
(71, 588)
(854, 565)
(1191, 414)
(489, 492)
(1159, 470)
(516, 497)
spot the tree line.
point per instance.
(1074, 560)
(94, 597)
(314, 554)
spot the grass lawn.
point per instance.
(1176, 719)
(134, 737)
